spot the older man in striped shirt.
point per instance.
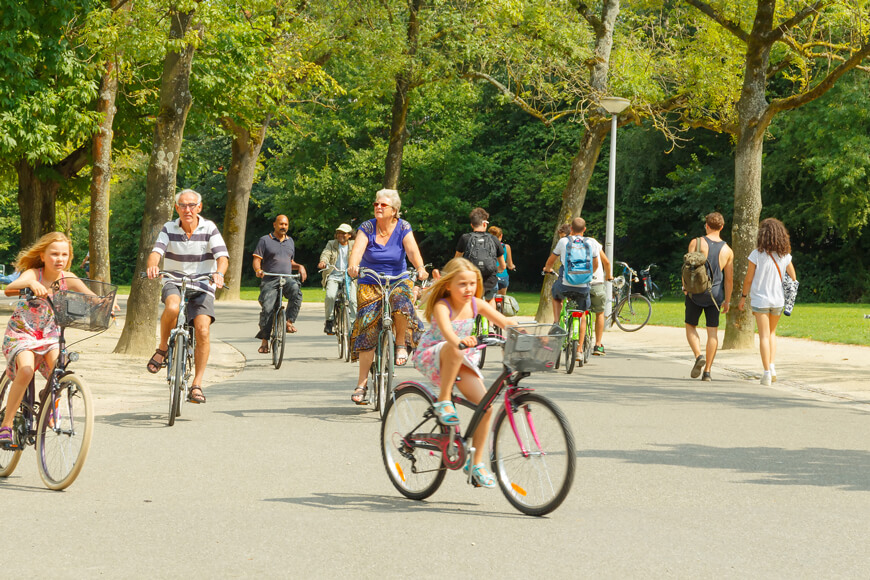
(190, 245)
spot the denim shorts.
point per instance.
(773, 311)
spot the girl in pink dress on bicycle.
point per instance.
(454, 300)
(31, 339)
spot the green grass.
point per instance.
(841, 323)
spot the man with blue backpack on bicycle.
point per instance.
(580, 259)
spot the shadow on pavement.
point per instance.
(329, 414)
(840, 468)
(136, 420)
(383, 503)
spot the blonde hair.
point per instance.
(31, 257)
(441, 288)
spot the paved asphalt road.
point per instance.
(279, 475)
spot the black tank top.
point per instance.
(718, 290)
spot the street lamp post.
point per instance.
(614, 106)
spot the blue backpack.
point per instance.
(578, 262)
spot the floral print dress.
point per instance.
(31, 327)
(427, 357)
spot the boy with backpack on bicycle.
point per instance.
(484, 251)
(580, 259)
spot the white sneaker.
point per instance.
(766, 379)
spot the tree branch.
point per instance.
(820, 89)
(720, 18)
(74, 162)
(508, 93)
(786, 26)
(593, 20)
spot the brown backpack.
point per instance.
(697, 274)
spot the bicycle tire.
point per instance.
(9, 458)
(404, 413)
(63, 434)
(345, 335)
(538, 481)
(279, 336)
(385, 370)
(589, 340)
(338, 327)
(479, 330)
(633, 312)
(176, 386)
(570, 353)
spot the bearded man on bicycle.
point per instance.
(333, 262)
(189, 245)
(274, 253)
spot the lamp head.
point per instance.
(615, 105)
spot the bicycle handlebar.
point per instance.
(384, 278)
(276, 275)
(484, 341)
(179, 278)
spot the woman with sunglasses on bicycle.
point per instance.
(382, 244)
(31, 339)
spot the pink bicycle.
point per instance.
(531, 446)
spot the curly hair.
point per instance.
(773, 237)
(441, 287)
(31, 257)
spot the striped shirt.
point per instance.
(194, 254)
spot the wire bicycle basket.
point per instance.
(533, 347)
(82, 310)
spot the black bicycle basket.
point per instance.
(91, 311)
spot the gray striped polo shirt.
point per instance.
(196, 254)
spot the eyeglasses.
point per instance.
(376, 204)
(186, 205)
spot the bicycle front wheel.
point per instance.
(9, 458)
(481, 329)
(345, 333)
(63, 434)
(533, 454)
(338, 327)
(176, 385)
(413, 465)
(633, 312)
(385, 370)
(279, 334)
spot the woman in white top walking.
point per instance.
(768, 263)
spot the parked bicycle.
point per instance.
(279, 320)
(532, 449)
(381, 373)
(630, 311)
(647, 287)
(60, 421)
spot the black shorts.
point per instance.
(693, 314)
(197, 302)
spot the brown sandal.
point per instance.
(154, 365)
(359, 395)
(264, 349)
(195, 395)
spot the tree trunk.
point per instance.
(101, 176)
(574, 194)
(398, 128)
(175, 101)
(573, 198)
(240, 180)
(36, 202)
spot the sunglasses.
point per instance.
(376, 204)
(186, 205)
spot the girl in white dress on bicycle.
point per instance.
(454, 300)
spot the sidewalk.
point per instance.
(832, 372)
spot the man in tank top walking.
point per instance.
(721, 261)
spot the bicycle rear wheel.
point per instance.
(63, 435)
(589, 340)
(385, 370)
(633, 312)
(570, 354)
(279, 334)
(414, 466)
(176, 385)
(533, 455)
(8, 458)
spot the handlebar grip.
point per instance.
(463, 346)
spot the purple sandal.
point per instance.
(6, 441)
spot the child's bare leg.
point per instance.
(472, 389)
(26, 366)
(451, 361)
